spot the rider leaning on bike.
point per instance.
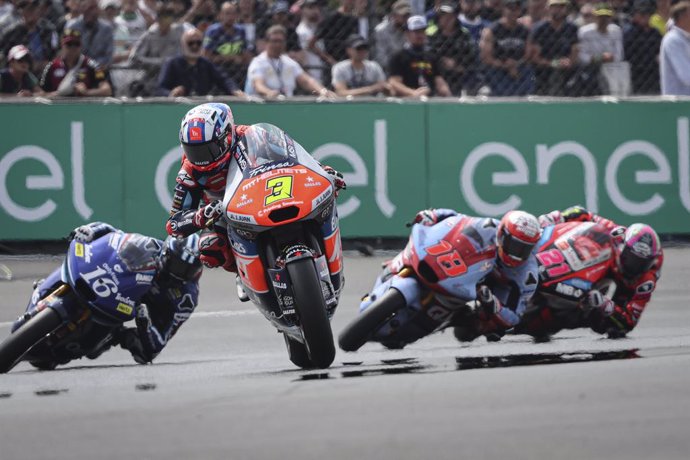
(636, 271)
(209, 136)
(168, 304)
(512, 279)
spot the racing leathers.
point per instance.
(197, 205)
(615, 316)
(204, 186)
(502, 291)
(159, 314)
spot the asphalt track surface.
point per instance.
(224, 389)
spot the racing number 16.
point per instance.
(450, 261)
(280, 187)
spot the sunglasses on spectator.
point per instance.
(73, 44)
(194, 43)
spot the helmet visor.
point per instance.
(179, 269)
(633, 265)
(203, 154)
(518, 250)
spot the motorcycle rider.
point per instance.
(168, 304)
(635, 272)
(504, 251)
(208, 135)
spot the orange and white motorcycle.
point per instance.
(283, 227)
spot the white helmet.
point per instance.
(204, 133)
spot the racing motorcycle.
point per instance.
(84, 304)
(410, 299)
(282, 224)
(573, 258)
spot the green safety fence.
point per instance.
(65, 164)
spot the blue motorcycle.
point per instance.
(79, 309)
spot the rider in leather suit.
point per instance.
(168, 304)
(636, 271)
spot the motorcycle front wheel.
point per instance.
(16, 345)
(311, 309)
(360, 329)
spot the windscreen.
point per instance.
(139, 252)
(265, 143)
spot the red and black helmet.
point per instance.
(516, 236)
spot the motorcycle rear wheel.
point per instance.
(16, 345)
(360, 330)
(311, 309)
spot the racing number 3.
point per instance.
(280, 187)
(450, 261)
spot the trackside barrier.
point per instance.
(65, 164)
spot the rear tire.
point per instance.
(360, 330)
(311, 309)
(16, 345)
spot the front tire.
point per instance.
(360, 330)
(311, 309)
(297, 353)
(16, 345)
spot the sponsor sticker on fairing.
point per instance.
(142, 278)
(124, 308)
(321, 198)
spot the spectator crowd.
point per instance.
(276, 49)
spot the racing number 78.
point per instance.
(448, 258)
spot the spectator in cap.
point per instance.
(17, 79)
(279, 14)
(601, 41)
(389, 35)
(74, 74)
(503, 48)
(32, 31)
(159, 42)
(191, 74)
(642, 44)
(98, 41)
(414, 70)
(275, 75)
(456, 52)
(552, 45)
(471, 19)
(358, 76)
(226, 45)
(334, 30)
(675, 53)
(310, 19)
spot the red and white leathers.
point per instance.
(619, 315)
(197, 186)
